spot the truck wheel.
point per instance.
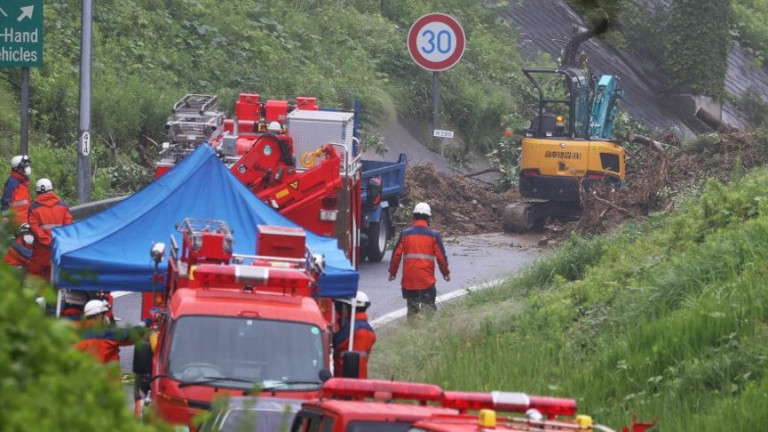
(377, 238)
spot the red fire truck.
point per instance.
(370, 405)
(233, 324)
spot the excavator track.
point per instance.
(527, 216)
(518, 217)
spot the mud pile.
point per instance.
(459, 204)
(657, 179)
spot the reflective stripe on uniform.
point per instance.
(19, 203)
(49, 226)
(418, 256)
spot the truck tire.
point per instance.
(378, 234)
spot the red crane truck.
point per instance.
(300, 159)
(233, 324)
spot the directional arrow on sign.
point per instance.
(26, 12)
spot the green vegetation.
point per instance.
(667, 319)
(47, 385)
(147, 54)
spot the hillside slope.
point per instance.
(666, 319)
(545, 23)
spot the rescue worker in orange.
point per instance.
(16, 190)
(46, 213)
(363, 336)
(99, 338)
(19, 253)
(419, 247)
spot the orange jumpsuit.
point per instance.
(18, 254)
(364, 338)
(103, 343)
(16, 197)
(46, 213)
(419, 247)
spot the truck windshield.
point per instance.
(244, 352)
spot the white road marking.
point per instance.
(385, 319)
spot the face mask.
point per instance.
(27, 171)
(28, 238)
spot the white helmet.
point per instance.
(274, 127)
(422, 208)
(19, 161)
(361, 300)
(95, 307)
(43, 185)
(76, 297)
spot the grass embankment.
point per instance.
(666, 319)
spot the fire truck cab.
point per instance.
(227, 324)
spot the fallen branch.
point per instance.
(483, 172)
(714, 122)
(650, 143)
(612, 205)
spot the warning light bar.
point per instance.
(380, 389)
(459, 400)
(282, 277)
(509, 402)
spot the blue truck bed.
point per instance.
(378, 220)
(392, 176)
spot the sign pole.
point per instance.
(436, 43)
(84, 139)
(436, 105)
(24, 147)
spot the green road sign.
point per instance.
(21, 33)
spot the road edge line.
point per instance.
(394, 315)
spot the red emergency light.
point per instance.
(380, 389)
(509, 402)
(285, 278)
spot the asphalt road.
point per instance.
(475, 261)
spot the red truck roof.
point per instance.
(228, 302)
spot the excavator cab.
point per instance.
(567, 148)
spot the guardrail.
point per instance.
(82, 211)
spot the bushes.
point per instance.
(46, 384)
(665, 320)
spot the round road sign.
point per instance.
(436, 41)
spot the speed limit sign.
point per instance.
(436, 42)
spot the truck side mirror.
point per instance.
(352, 364)
(373, 192)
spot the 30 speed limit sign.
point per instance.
(436, 42)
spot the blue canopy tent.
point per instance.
(110, 250)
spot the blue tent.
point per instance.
(110, 250)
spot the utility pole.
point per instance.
(84, 137)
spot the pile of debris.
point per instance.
(460, 205)
(657, 172)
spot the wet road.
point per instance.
(474, 262)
